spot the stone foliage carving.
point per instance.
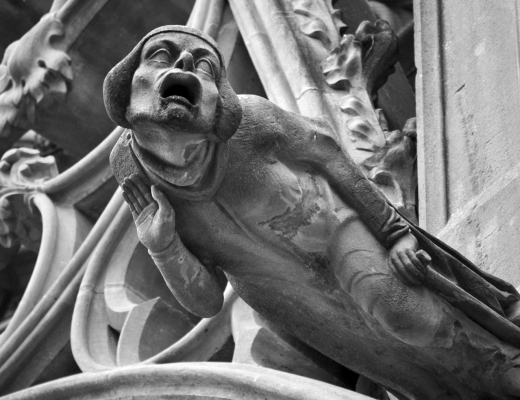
(303, 256)
(35, 71)
(21, 170)
(355, 68)
(393, 167)
(24, 167)
(319, 20)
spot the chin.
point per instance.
(165, 117)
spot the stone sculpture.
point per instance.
(216, 180)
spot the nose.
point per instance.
(184, 62)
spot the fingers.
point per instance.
(398, 268)
(415, 266)
(134, 212)
(424, 257)
(160, 198)
(130, 198)
(143, 188)
(166, 212)
(139, 191)
(408, 267)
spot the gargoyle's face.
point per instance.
(175, 85)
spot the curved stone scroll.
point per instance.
(46, 308)
(29, 217)
(189, 380)
(126, 315)
(26, 352)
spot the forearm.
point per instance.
(192, 284)
(296, 139)
(313, 144)
(359, 193)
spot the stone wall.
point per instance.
(468, 91)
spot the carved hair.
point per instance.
(117, 87)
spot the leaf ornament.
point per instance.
(35, 72)
(392, 169)
(359, 66)
(318, 20)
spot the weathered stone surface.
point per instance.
(51, 79)
(363, 280)
(468, 153)
(202, 381)
(120, 320)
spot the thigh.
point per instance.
(361, 265)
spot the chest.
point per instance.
(288, 205)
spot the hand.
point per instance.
(408, 264)
(153, 214)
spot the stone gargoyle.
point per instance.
(303, 237)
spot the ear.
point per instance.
(229, 112)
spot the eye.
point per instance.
(161, 56)
(205, 67)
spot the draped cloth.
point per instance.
(484, 298)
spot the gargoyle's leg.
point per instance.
(511, 381)
(411, 313)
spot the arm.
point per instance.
(309, 141)
(192, 284)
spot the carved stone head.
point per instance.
(173, 80)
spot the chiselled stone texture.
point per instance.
(321, 246)
(468, 129)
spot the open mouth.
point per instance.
(181, 87)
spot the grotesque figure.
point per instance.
(214, 180)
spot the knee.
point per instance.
(412, 314)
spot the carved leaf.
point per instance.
(4, 77)
(35, 71)
(343, 67)
(19, 220)
(392, 169)
(25, 167)
(380, 52)
(318, 20)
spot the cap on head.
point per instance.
(117, 88)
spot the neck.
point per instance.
(185, 157)
(177, 149)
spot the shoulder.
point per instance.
(261, 117)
